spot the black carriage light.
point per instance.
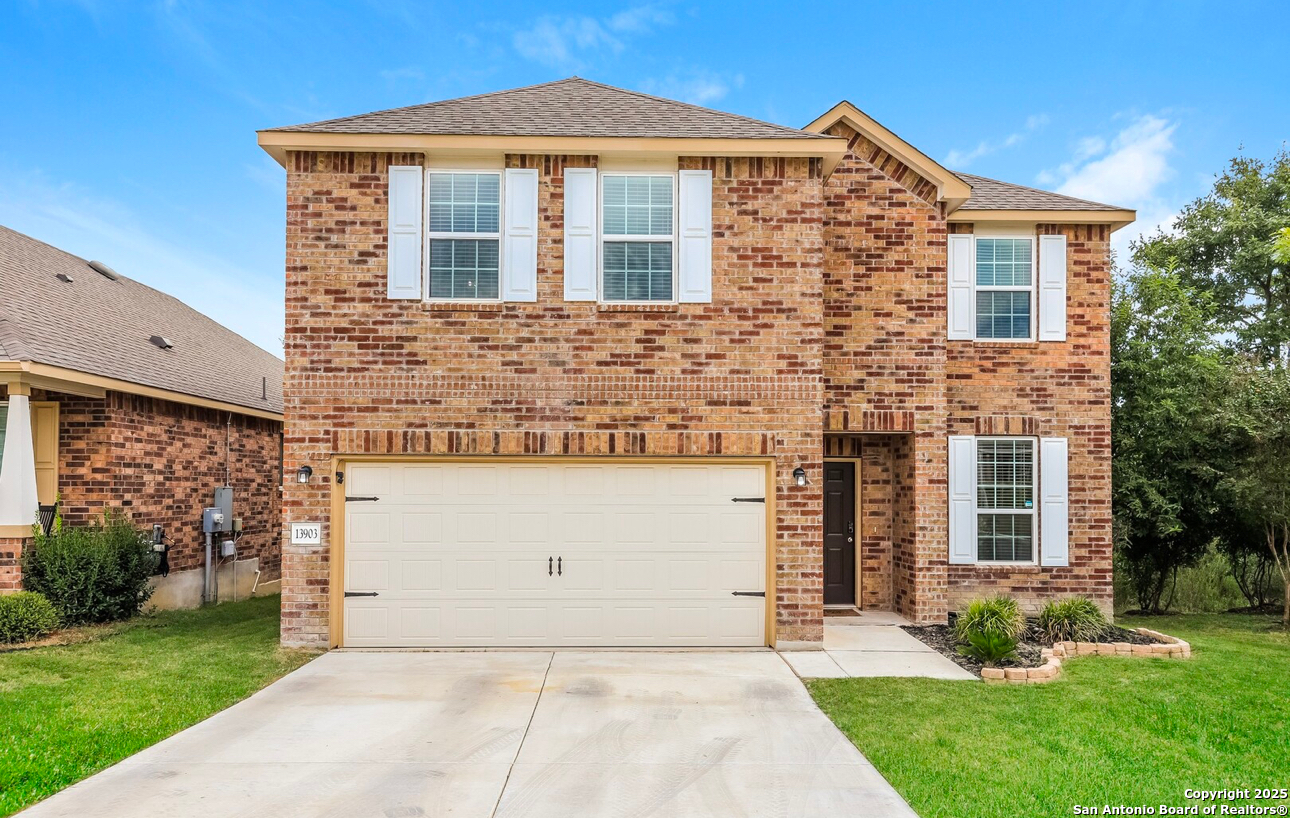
(799, 476)
(304, 473)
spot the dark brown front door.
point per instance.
(839, 534)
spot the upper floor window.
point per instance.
(465, 235)
(638, 224)
(1005, 499)
(1005, 285)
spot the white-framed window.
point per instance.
(637, 237)
(1005, 288)
(464, 235)
(1006, 481)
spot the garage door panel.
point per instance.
(649, 555)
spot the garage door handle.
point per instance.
(550, 561)
(748, 593)
(559, 566)
(360, 593)
(747, 499)
(349, 499)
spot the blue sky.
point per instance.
(128, 132)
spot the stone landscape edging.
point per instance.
(1166, 647)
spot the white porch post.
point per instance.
(18, 498)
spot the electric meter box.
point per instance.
(224, 502)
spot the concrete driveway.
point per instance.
(604, 734)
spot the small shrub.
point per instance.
(95, 573)
(25, 616)
(1076, 619)
(989, 648)
(996, 615)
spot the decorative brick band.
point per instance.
(1167, 647)
(843, 419)
(1028, 426)
(463, 442)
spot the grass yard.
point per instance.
(1112, 730)
(67, 712)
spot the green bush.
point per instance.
(94, 573)
(996, 615)
(989, 648)
(1077, 619)
(25, 616)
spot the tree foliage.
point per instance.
(1234, 245)
(1256, 485)
(1166, 367)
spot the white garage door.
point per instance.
(477, 554)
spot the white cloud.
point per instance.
(1135, 166)
(566, 43)
(94, 227)
(407, 72)
(698, 87)
(960, 159)
(1128, 170)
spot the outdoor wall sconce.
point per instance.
(799, 476)
(304, 473)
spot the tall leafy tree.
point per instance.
(1165, 367)
(1256, 416)
(1233, 244)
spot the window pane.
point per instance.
(1005, 538)
(637, 206)
(637, 271)
(1005, 473)
(1003, 314)
(1003, 262)
(464, 202)
(464, 268)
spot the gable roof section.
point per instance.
(572, 107)
(949, 187)
(100, 327)
(572, 116)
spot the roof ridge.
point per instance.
(430, 104)
(966, 176)
(691, 105)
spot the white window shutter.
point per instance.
(519, 255)
(961, 305)
(403, 262)
(1052, 288)
(695, 252)
(580, 234)
(962, 480)
(1054, 502)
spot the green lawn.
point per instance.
(1112, 730)
(68, 712)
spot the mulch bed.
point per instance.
(941, 639)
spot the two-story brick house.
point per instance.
(574, 365)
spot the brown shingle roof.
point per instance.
(991, 194)
(102, 327)
(568, 107)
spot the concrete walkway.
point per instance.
(492, 734)
(872, 644)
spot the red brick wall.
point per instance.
(741, 375)
(159, 462)
(884, 350)
(888, 368)
(1050, 389)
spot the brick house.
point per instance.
(116, 396)
(574, 365)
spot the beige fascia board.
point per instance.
(278, 143)
(949, 188)
(1115, 218)
(16, 531)
(73, 382)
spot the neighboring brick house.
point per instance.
(114, 396)
(573, 365)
